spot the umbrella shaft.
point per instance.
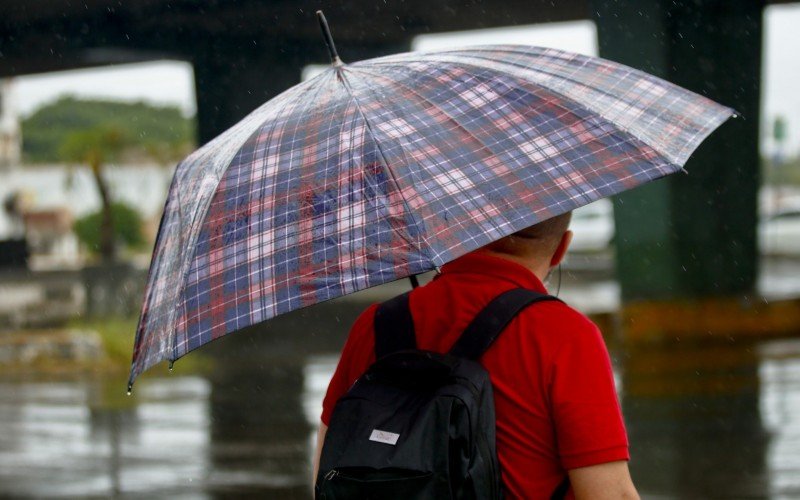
(326, 32)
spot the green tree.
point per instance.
(159, 133)
(95, 132)
(127, 227)
(95, 147)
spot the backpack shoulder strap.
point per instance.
(492, 320)
(394, 327)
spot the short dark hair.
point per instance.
(542, 238)
(553, 227)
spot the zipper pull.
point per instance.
(331, 474)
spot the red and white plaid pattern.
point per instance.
(384, 168)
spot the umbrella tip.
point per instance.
(326, 33)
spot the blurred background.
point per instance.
(694, 279)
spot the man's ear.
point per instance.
(561, 250)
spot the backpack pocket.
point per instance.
(362, 483)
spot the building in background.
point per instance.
(10, 135)
(50, 237)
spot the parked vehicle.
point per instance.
(779, 233)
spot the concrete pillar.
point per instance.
(693, 235)
(231, 85)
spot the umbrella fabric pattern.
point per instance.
(390, 167)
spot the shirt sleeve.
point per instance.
(588, 420)
(357, 355)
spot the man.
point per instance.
(555, 402)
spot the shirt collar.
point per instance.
(479, 262)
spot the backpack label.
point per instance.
(385, 437)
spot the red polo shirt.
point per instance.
(555, 403)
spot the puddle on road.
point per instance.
(706, 422)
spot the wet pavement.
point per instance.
(724, 424)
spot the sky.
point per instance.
(172, 83)
(780, 89)
(161, 82)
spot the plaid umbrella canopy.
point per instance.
(391, 167)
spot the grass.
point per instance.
(117, 335)
(108, 370)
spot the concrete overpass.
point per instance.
(243, 51)
(686, 236)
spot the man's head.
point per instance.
(539, 247)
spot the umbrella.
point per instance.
(390, 167)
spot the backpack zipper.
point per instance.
(484, 443)
(320, 493)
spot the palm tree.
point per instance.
(96, 147)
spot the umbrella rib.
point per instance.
(686, 148)
(310, 101)
(325, 227)
(620, 132)
(467, 130)
(451, 118)
(201, 215)
(141, 323)
(570, 79)
(347, 87)
(182, 236)
(561, 94)
(349, 264)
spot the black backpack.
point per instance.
(420, 424)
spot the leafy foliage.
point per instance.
(94, 146)
(146, 131)
(127, 227)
